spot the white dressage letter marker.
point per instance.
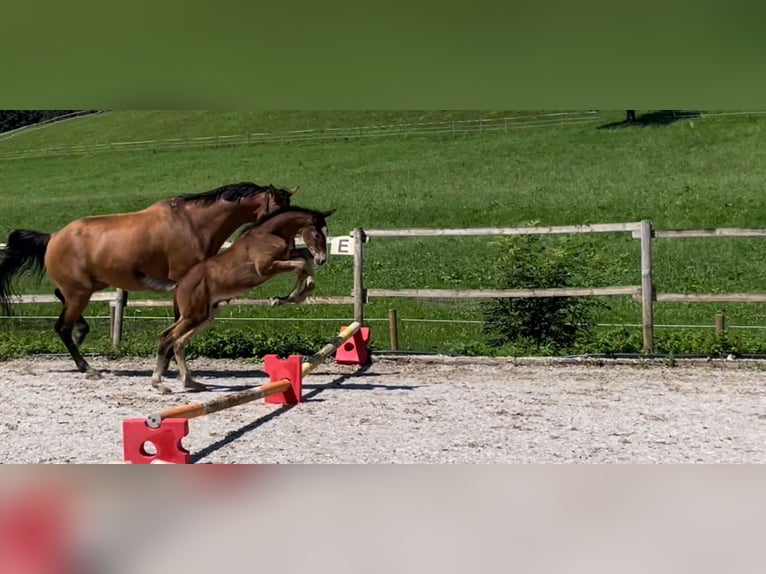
(343, 245)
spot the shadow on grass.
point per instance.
(658, 118)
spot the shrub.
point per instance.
(551, 324)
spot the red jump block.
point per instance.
(355, 351)
(166, 440)
(290, 369)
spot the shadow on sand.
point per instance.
(307, 397)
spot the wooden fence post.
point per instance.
(647, 286)
(360, 294)
(393, 329)
(720, 323)
(116, 314)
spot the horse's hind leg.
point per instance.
(82, 325)
(73, 308)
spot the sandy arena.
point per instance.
(402, 410)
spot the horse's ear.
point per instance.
(292, 190)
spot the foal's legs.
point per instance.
(172, 340)
(304, 268)
(183, 369)
(166, 342)
(305, 283)
(73, 307)
(165, 364)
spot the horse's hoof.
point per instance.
(163, 389)
(276, 301)
(92, 374)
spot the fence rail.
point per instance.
(239, 302)
(45, 123)
(491, 231)
(723, 232)
(40, 299)
(457, 127)
(711, 297)
(503, 293)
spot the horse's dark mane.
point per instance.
(230, 192)
(291, 209)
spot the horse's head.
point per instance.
(275, 199)
(267, 201)
(314, 235)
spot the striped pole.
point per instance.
(316, 359)
(195, 410)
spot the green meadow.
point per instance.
(691, 172)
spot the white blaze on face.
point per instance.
(323, 231)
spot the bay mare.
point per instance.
(133, 251)
(261, 252)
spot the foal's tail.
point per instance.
(24, 252)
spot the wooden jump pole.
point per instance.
(195, 410)
(316, 359)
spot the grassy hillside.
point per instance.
(703, 172)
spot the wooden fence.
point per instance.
(353, 245)
(644, 291)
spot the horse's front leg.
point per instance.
(306, 282)
(303, 267)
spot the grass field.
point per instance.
(697, 172)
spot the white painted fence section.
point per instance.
(341, 245)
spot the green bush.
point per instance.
(552, 324)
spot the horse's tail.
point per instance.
(24, 252)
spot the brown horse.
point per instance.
(258, 254)
(134, 251)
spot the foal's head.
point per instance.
(314, 235)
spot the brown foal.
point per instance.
(258, 254)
